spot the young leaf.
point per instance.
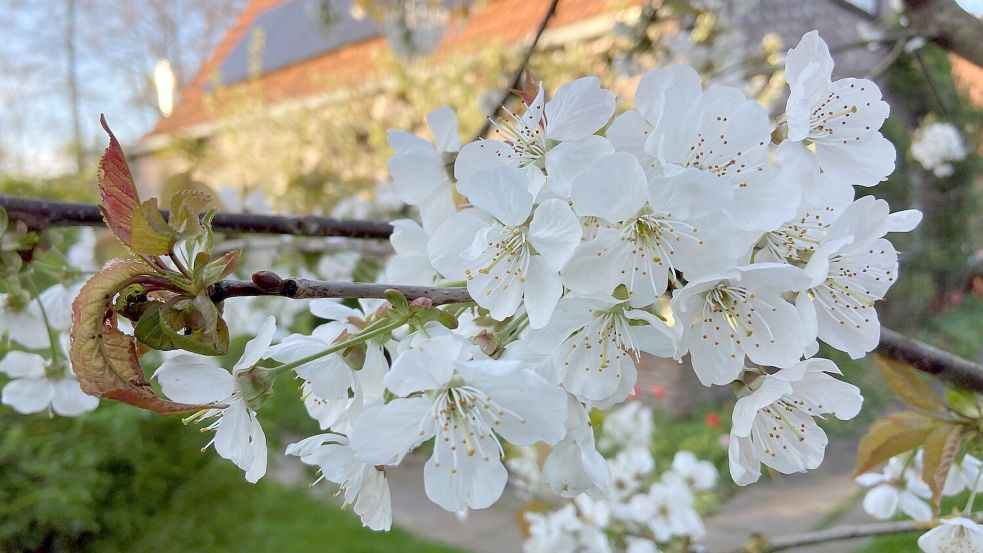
(191, 325)
(116, 188)
(103, 358)
(910, 387)
(150, 234)
(186, 206)
(890, 436)
(941, 446)
(220, 268)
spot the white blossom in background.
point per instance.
(774, 424)
(630, 425)
(966, 473)
(937, 147)
(667, 510)
(420, 169)
(196, 379)
(38, 384)
(695, 474)
(899, 488)
(953, 535)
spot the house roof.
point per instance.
(504, 21)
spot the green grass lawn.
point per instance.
(218, 512)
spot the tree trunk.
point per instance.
(949, 26)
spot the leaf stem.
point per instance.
(44, 316)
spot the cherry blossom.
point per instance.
(447, 390)
(596, 344)
(775, 422)
(724, 317)
(841, 118)
(420, 169)
(364, 486)
(507, 259)
(195, 379)
(898, 488)
(555, 136)
(954, 535)
(38, 384)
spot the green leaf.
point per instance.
(104, 359)
(150, 234)
(890, 436)
(220, 268)
(941, 446)
(117, 191)
(4, 220)
(962, 400)
(185, 323)
(910, 387)
(186, 206)
(398, 301)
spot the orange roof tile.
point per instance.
(506, 21)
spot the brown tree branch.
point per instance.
(42, 214)
(761, 544)
(949, 26)
(268, 284)
(39, 215)
(517, 74)
(920, 355)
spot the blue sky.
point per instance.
(115, 60)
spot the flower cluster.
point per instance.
(691, 226)
(937, 146)
(645, 508)
(899, 489)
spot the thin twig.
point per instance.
(302, 288)
(517, 75)
(42, 214)
(761, 544)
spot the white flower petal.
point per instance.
(256, 348)
(555, 233)
(384, 434)
(578, 109)
(20, 364)
(457, 481)
(443, 125)
(194, 379)
(28, 395)
(68, 399)
(502, 192)
(614, 188)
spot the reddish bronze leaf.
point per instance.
(116, 188)
(104, 359)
